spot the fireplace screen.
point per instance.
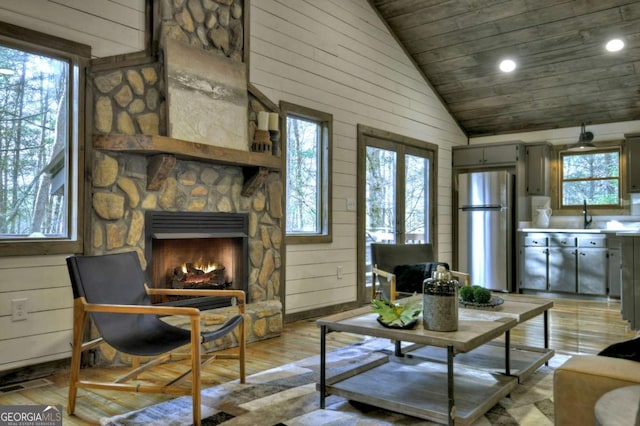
(196, 251)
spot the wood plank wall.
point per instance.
(338, 57)
(110, 28)
(46, 333)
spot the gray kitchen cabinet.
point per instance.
(537, 169)
(614, 266)
(565, 262)
(471, 156)
(630, 291)
(535, 260)
(632, 150)
(562, 269)
(592, 265)
(592, 271)
(534, 274)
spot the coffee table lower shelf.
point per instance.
(525, 360)
(419, 388)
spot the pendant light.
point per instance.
(585, 139)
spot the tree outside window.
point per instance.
(308, 175)
(593, 176)
(40, 99)
(33, 140)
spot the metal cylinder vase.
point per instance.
(440, 303)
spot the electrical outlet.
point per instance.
(19, 309)
(339, 272)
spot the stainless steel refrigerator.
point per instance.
(485, 226)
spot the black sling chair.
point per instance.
(111, 289)
(399, 269)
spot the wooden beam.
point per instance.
(153, 144)
(158, 169)
(254, 178)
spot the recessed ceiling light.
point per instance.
(614, 45)
(507, 65)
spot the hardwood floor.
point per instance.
(576, 327)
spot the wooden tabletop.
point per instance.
(474, 329)
(524, 307)
(475, 326)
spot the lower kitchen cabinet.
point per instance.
(534, 272)
(564, 262)
(614, 261)
(562, 269)
(592, 271)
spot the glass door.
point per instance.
(397, 196)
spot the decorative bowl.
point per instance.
(495, 301)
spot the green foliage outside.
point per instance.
(381, 166)
(591, 176)
(303, 176)
(33, 142)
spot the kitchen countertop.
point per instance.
(617, 232)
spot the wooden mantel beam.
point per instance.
(152, 144)
(162, 151)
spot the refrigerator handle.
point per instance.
(482, 208)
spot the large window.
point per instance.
(591, 176)
(308, 174)
(39, 127)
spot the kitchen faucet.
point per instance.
(587, 222)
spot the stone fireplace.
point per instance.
(138, 175)
(197, 250)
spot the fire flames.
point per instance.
(206, 268)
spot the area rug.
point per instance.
(287, 395)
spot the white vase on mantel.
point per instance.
(543, 217)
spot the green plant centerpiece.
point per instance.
(475, 294)
(396, 315)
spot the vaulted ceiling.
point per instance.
(564, 75)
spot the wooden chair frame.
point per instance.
(198, 360)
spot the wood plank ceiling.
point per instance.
(564, 75)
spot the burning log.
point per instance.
(190, 275)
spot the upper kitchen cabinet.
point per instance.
(485, 155)
(632, 148)
(537, 168)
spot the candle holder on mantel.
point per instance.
(275, 142)
(261, 141)
(274, 133)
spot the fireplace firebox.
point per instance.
(197, 250)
